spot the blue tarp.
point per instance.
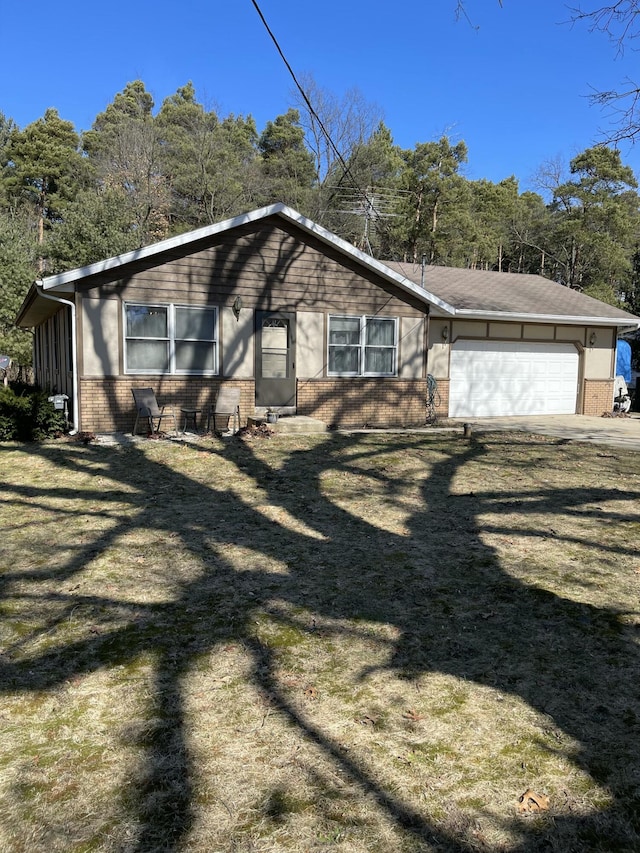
(623, 361)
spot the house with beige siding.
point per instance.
(303, 322)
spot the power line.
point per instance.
(312, 111)
(368, 202)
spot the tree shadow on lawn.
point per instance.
(464, 617)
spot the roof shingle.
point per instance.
(485, 291)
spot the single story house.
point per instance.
(303, 321)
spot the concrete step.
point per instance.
(292, 424)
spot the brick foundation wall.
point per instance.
(597, 397)
(107, 404)
(442, 407)
(356, 402)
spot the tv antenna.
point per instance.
(372, 205)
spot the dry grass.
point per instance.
(356, 643)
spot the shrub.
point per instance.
(27, 415)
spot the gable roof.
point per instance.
(64, 280)
(449, 292)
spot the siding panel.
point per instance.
(269, 269)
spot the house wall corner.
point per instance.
(597, 397)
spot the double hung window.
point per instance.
(362, 346)
(178, 339)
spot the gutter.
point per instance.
(74, 352)
(559, 319)
(279, 209)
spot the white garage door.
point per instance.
(493, 378)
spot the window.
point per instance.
(170, 339)
(363, 346)
(275, 348)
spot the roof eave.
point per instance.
(22, 318)
(378, 266)
(70, 277)
(563, 319)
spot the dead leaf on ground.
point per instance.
(311, 693)
(413, 716)
(532, 802)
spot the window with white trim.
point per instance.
(362, 346)
(180, 339)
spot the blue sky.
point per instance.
(514, 86)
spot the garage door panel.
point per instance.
(493, 378)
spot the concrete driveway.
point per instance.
(623, 432)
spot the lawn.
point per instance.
(371, 642)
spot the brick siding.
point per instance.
(598, 397)
(442, 400)
(356, 402)
(107, 404)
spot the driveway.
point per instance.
(621, 432)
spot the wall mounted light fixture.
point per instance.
(445, 333)
(237, 307)
(592, 338)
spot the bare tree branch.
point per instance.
(618, 20)
(622, 108)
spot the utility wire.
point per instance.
(368, 200)
(312, 111)
(347, 171)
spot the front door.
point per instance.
(275, 359)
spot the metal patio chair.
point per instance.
(227, 406)
(147, 408)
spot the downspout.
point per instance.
(74, 352)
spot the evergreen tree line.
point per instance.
(140, 175)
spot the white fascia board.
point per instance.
(71, 276)
(55, 281)
(366, 260)
(559, 319)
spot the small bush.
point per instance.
(27, 415)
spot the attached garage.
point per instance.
(499, 378)
(509, 344)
